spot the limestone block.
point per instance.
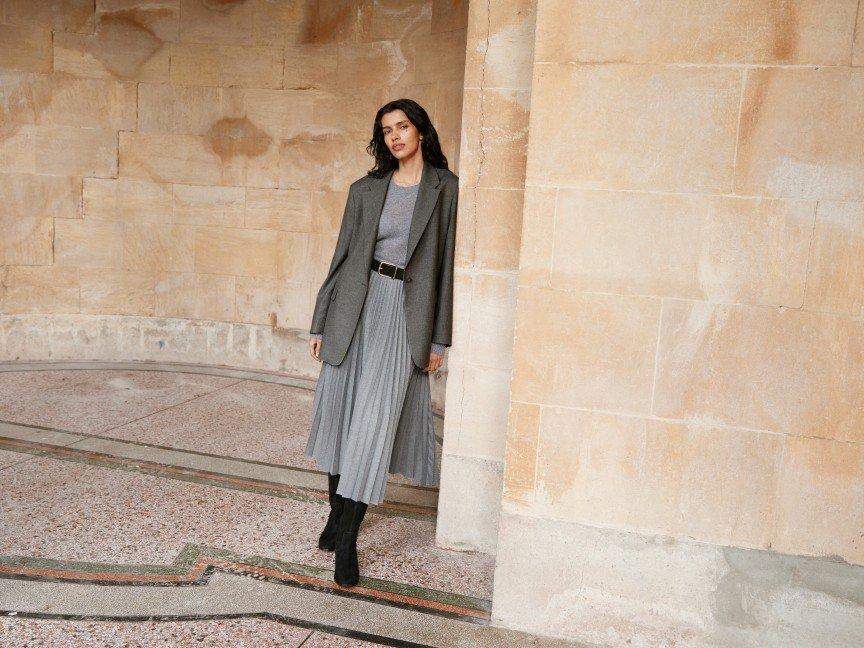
(127, 200)
(350, 162)
(714, 484)
(349, 113)
(169, 108)
(588, 466)
(281, 23)
(59, 150)
(295, 260)
(489, 226)
(802, 133)
(157, 246)
(835, 280)
(248, 66)
(439, 56)
(634, 127)
(469, 519)
(257, 298)
(310, 67)
(538, 220)
(193, 110)
(160, 17)
(448, 15)
(789, 371)
(25, 47)
(88, 244)
(24, 195)
(47, 289)
(821, 499)
(327, 210)
(249, 253)
(279, 113)
(59, 15)
(288, 210)
(372, 64)
(320, 253)
(643, 591)
(475, 423)
(447, 117)
(209, 205)
(858, 43)
(197, 296)
(393, 20)
(234, 153)
(592, 351)
(716, 248)
(308, 161)
(805, 32)
(117, 292)
(227, 23)
(122, 47)
(26, 240)
(495, 138)
(335, 21)
(64, 100)
(499, 52)
(490, 319)
(520, 455)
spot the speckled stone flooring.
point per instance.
(75, 518)
(210, 633)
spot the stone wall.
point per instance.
(687, 397)
(190, 159)
(498, 68)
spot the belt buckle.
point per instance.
(381, 267)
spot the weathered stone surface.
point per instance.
(64, 100)
(25, 47)
(814, 32)
(788, 371)
(639, 590)
(802, 133)
(58, 150)
(691, 114)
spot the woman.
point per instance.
(382, 320)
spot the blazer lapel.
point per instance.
(427, 196)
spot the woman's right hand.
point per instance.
(315, 348)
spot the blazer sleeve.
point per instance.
(443, 329)
(322, 301)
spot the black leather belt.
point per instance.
(388, 269)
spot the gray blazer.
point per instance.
(428, 280)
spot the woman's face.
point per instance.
(400, 135)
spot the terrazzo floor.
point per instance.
(69, 509)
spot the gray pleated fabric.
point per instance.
(372, 414)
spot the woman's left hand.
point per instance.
(435, 361)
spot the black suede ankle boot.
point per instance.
(347, 571)
(327, 539)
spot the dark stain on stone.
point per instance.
(325, 21)
(784, 44)
(222, 5)
(123, 42)
(785, 25)
(233, 136)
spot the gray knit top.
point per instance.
(392, 242)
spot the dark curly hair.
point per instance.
(430, 147)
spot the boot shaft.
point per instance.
(353, 512)
(332, 484)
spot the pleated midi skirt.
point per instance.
(372, 414)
